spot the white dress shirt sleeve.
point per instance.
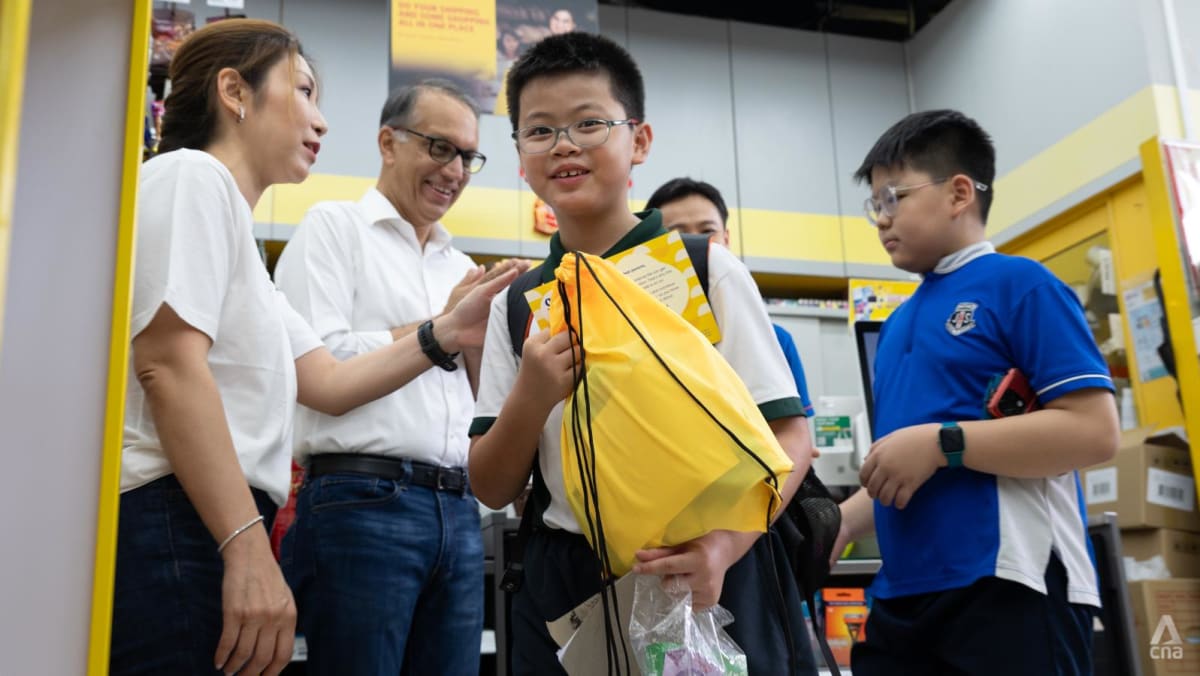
(316, 272)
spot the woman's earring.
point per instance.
(241, 114)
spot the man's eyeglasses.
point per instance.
(444, 152)
(589, 133)
(889, 198)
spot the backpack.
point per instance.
(807, 528)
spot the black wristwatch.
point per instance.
(430, 347)
(950, 439)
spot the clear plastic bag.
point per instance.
(670, 639)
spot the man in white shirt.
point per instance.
(385, 557)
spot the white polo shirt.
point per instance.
(748, 343)
(354, 270)
(196, 253)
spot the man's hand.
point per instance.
(700, 563)
(466, 325)
(519, 264)
(476, 276)
(258, 612)
(898, 464)
(547, 371)
(464, 286)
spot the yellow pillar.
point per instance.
(14, 35)
(1175, 291)
(118, 353)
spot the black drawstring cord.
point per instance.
(587, 465)
(585, 458)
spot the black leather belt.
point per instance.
(452, 479)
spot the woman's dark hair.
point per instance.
(249, 46)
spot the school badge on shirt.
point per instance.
(962, 319)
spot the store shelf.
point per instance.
(807, 311)
(856, 567)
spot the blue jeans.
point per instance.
(388, 577)
(167, 594)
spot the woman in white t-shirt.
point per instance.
(219, 360)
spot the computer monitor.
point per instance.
(866, 337)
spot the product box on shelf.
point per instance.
(1149, 484)
(1179, 549)
(1166, 618)
(845, 620)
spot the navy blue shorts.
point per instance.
(993, 626)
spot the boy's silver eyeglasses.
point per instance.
(889, 197)
(540, 138)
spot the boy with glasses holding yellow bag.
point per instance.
(576, 104)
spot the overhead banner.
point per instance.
(474, 42)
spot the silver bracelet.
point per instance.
(238, 532)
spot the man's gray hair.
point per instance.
(398, 109)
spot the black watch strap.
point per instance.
(430, 347)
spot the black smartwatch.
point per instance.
(430, 347)
(950, 438)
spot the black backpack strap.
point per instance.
(518, 309)
(697, 249)
(519, 317)
(531, 518)
(831, 664)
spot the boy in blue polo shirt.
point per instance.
(981, 522)
(577, 107)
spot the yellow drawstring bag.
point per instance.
(661, 440)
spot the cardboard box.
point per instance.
(845, 620)
(1180, 549)
(1166, 618)
(1149, 484)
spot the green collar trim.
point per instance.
(650, 227)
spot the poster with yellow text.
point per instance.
(473, 43)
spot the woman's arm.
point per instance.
(170, 360)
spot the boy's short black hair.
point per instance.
(579, 53)
(680, 188)
(941, 143)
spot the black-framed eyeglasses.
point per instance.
(444, 152)
(889, 198)
(541, 138)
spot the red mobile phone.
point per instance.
(1011, 394)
